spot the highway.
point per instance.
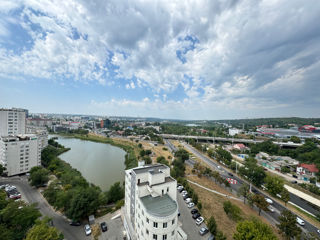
(235, 187)
(222, 139)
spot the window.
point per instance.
(172, 221)
(147, 220)
(164, 237)
(147, 231)
(155, 224)
(165, 225)
(172, 233)
(167, 189)
(155, 236)
(162, 191)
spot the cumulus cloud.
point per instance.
(238, 52)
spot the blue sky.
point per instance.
(168, 59)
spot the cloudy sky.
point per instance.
(214, 59)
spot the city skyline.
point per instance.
(173, 60)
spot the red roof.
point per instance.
(310, 167)
(240, 145)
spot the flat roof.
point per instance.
(144, 169)
(160, 206)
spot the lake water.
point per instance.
(101, 164)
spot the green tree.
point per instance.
(260, 202)
(199, 205)
(220, 236)
(115, 193)
(162, 160)
(295, 139)
(253, 230)
(244, 191)
(3, 201)
(232, 210)
(274, 184)
(41, 231)
(6, 233)
(2, 168)
(212, 225)
(285, 196)
(288, 226)
(182, 154)
(38, 176)
(147, 159)
(19, 217)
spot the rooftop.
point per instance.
(310, 167)
(155, 168)
(161, 206)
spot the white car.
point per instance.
(190, 205)
(199, 220)
(188, 200)
(184, 192)
(318, 231)
(300, 221)
(271, 209)
(269, 200)
(180, 187)
(87, 229)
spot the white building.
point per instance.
(41, 133)
(151, 208)
(12, 121)
(234, 131)
(18, 154)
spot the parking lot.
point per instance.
(188, 223)
(115, 227)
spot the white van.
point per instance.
(300, 221)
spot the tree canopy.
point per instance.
(41, 231)
(288, 226)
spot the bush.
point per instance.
(233, 211)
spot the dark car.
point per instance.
(103, 226)
(295, 176)
(180, 189)
(196, 215)
(254, 190)
(74, 223)
(193, 211)
(230, 174)
(294, 182)
(185, 197)
(203, 231)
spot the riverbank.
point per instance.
(131, 160)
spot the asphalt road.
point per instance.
(189, 225)
(278, 207)
(31, 195)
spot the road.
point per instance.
(31, 195)
(235, 187)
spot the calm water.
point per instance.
(101, 164)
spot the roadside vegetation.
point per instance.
(19, 220)
(69, 191)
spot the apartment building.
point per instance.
(151, 208)
(41, 133)
(12, 121)
(18, 154)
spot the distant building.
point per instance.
(18, 154)
(234, 131)
(309, 129)
(239, 146)
(12, 121)
(306, 171)
(39, 122)
(151, 208)
(106, 123)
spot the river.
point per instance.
(101, 164)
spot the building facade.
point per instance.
(12, 121)
(151, 208)
(18, 154)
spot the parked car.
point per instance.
(203, 231)
(87, 229)
(230, 174)
(199, 220)
(196, 215)
(185, 197)
(188, 200)
(74, 223)
(318, 231)
(193, 211)
(184, 192)
(190, 205)
(294, 182)
(211, 237)
(300, 221)
(180, 189)
(103, 226)
(295, 176)
(269, 200)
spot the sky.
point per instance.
(214, 59)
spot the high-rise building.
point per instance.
(12, 121)
(151, 208)
(18, 154)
